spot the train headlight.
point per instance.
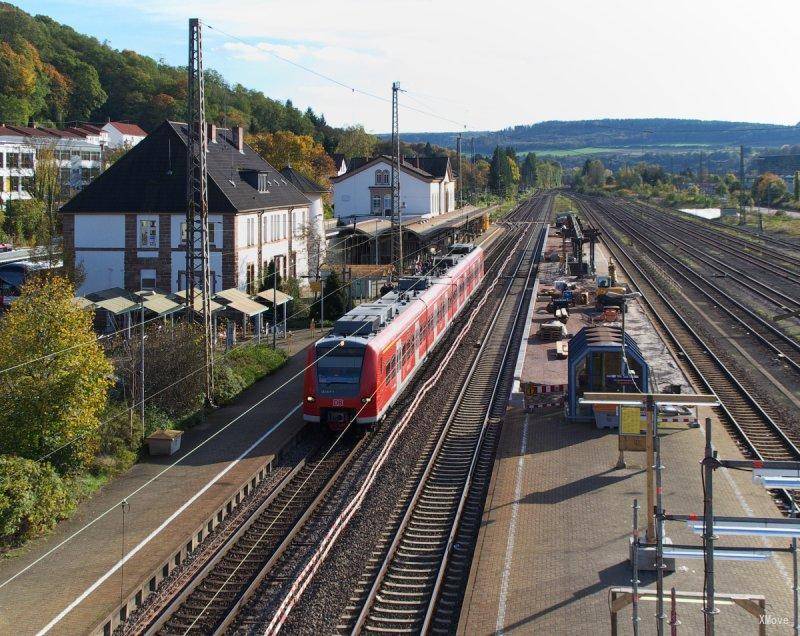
(366, 400)
(310, 399)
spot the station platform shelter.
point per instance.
(370, 242)
(596, 364)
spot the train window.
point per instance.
(342, 367)
(408, 351)
(391, 368)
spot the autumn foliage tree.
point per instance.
(284, 148)
(769, 189)
(58, 398)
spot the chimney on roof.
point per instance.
(211, 133)
(238, 137)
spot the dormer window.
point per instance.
(263, 183)
(382, 177)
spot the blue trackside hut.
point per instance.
(595, 364)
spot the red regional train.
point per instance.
(379, 346)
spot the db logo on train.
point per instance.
(338, 402)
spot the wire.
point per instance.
(111, 335)
(152, 395)
(160, 473)
(328, 78)
(285, 506)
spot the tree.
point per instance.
(168, 353)
(354, 141)
(335, 298)
(797, 185)
(305, 155)
(26, 221)
(513, 169)
(500, 175)
(528, 170)
(769, 188)
(595, 173)
(271, 277)
(58, 399)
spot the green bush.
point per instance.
(32, 499)
(253, 362)
(227, 384)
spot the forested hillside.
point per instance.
(51, 74)
(616, 133)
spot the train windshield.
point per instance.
(340, 368)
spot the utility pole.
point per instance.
(460, 183)
(197, 251)
(741, 168)
(397, 217)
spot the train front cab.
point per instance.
(337, 390)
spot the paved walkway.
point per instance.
(248, 434)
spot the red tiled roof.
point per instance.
(128, 129)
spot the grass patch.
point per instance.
(562, 204)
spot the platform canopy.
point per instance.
(158, 304)
(180, 298)
(270, 295)
(83, 303)
(114, 300)
(237, 300)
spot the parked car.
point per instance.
(6, 247)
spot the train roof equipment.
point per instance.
(369, 319)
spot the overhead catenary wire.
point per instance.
(160, 474)
(124, 330)
(328, 78)
(155, 477)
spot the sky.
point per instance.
(479, 65)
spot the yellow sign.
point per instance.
(630, 420)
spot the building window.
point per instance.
(26, 160)
(376, 204)
(13, 160)
(15, 183)
(251, 231)
(251, 278)
(212, 233)
(148, 233)
(262, 182)
(387, 203)
(147, 279)
(381, 177)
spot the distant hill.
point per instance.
(51, 74)
(619, 133)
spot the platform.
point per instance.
(85, 570)
(557, 520)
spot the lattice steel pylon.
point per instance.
(397, 213)
(198, 271)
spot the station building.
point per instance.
(127, 228)
(364, 190)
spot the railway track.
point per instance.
(700, 250)
(751, 424)
(777, 342)
(417, 586)
(209, 595)
(203, 603)
(769, 250)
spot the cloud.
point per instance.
(506, 62)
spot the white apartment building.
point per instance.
(427, 188)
